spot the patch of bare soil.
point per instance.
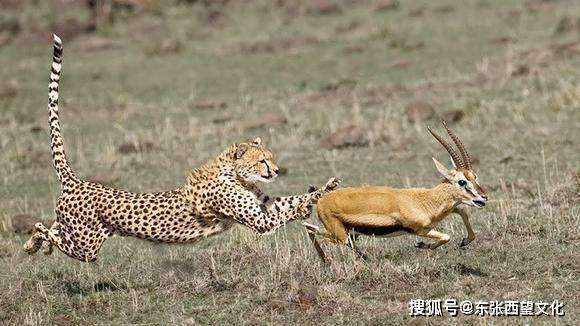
(339, 84)
(386, 5)
(444, 9)
(166, 46)
(503, 40)
(529, 61)
(222, 118)
(332, 89)
(135, 147)
(347, 136)
(520, 70)
(348, 27)
(71, 28)
(278, 45)
(567, 24)
(453, 116)
(10, 4)
(419, 111)
(416, 12)
(9, 89)
(544, 56)
(538, 6)
(24, 223)
(97, 43)
(401, 63)
(209, 104)
(324, 7)
(105, 179)
(9, 29)
(269, 119)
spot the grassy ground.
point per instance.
(186, 81)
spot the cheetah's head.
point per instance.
(253, 162)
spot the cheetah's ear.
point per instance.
(257, 141)
(241, 150)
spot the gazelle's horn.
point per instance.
(456, 160)
(464, 155)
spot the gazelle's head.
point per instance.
(461, 176)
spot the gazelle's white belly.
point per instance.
(389, 235)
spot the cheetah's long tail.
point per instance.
(63, 170)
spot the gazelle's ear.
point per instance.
(257, 141)
(453, 162)
(441, 168)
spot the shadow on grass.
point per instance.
(74, 288)
(466, 270)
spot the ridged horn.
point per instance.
(454, 156)
(462, 151)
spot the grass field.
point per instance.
(162, 90)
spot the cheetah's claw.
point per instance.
(330, 185)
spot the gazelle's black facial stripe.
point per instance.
(469, 188)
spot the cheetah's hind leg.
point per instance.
(40, 235)
(47, 245)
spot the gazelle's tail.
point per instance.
(63, 170)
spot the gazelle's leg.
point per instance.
(335, 230)
(352, 245)
(313, 231)
(441, 238)
(470, 233)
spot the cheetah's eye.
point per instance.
(462, 183)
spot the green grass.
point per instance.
(524, 130)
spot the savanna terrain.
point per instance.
(334, 88)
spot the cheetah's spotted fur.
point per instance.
(216, 195)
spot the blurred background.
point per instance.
(151, 89)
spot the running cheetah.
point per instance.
(214, 197)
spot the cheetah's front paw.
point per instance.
(330, 185)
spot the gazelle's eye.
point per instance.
(462, 183)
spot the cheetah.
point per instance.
(215, 196)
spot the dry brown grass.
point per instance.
(140, 115)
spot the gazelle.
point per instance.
(385, 211)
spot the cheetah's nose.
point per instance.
(276, 170)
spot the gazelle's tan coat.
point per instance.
(385, 211)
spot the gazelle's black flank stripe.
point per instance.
(63, 170)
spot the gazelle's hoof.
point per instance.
(465, 242)
(363, 256)
(423, 245)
